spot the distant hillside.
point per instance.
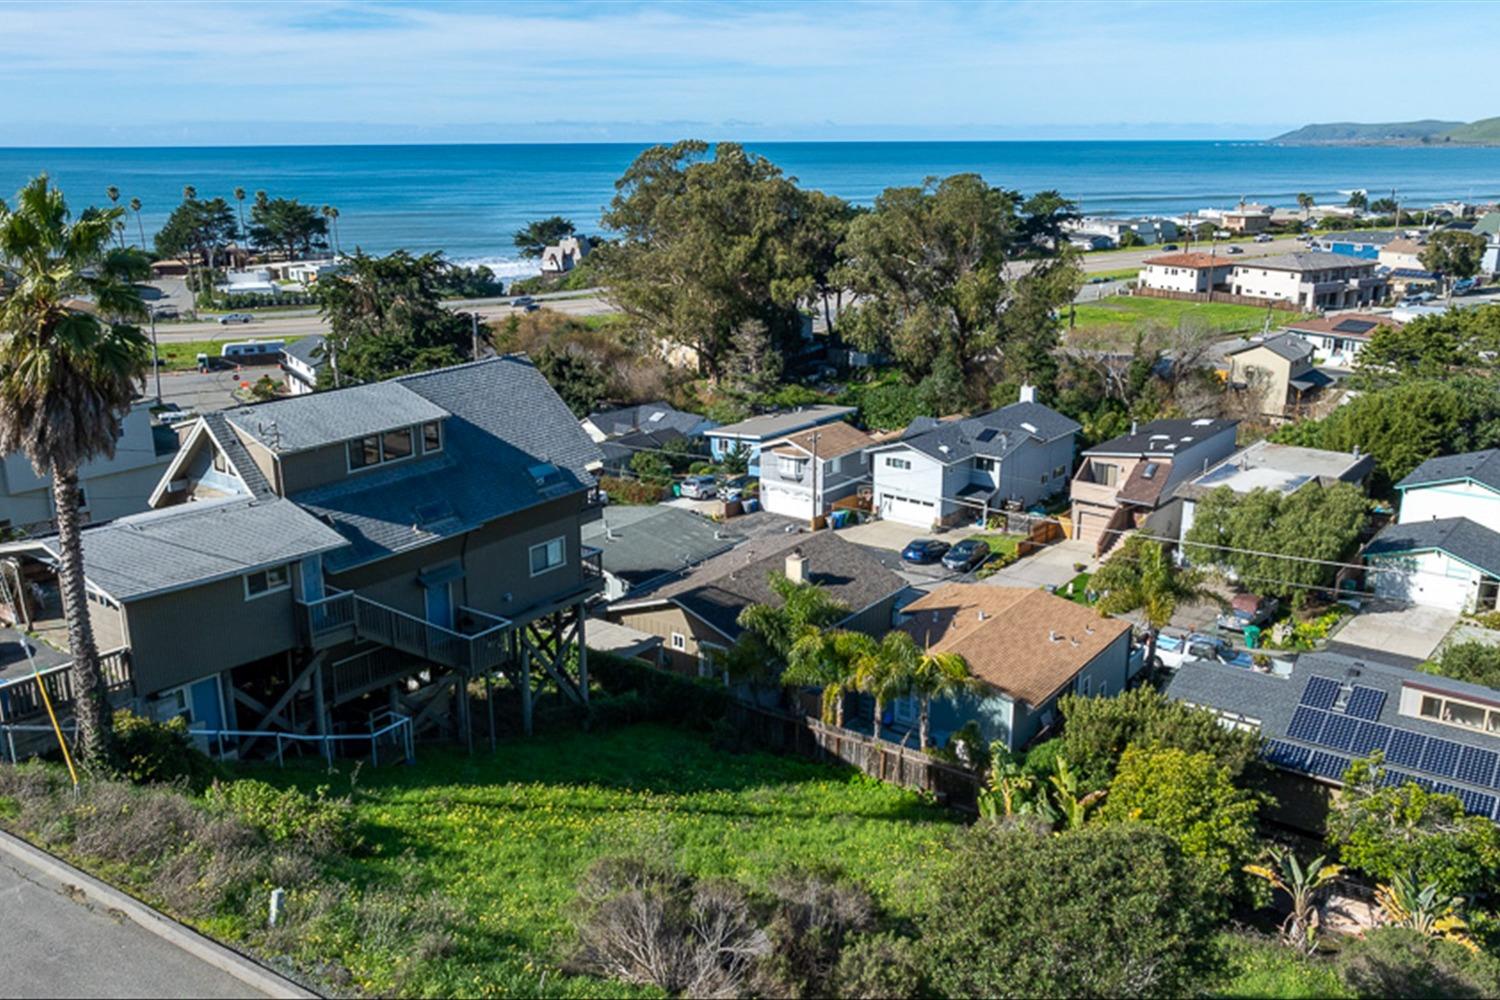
(1359, 134)
(1485, 132)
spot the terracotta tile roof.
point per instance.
(1193, 260)
(1027, 643)
(834, 439)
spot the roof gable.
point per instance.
(1482, 467)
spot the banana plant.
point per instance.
(1303, 885)
(1071, 807)
(1404, 904)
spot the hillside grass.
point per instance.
(1131, 312)
(182, 355)
(506, 836)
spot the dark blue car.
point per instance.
(967, 555)
(924, 551)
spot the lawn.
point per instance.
(506, 835)
(1125, 310)
(182, 355)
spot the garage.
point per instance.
(907, 510)
(1430, 579)
(785, 501)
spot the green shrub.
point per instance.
(1397, 962)
(879, 965)
(1475, 662)
(632, 491)
(318, 821)
(1264, 967)
(641, 693)
(1305, 635)
(1489, 620)
(152, 752)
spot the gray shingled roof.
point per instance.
(1152, 438)
(647, 417)
(1480, 466)
(721, 588)
(646, 543)
(1304, 260)
(1286, 345)
(1458, 536)
(774, 425)
(307, 350)
(299, 423)
(1368, 237)
(238, 454)
(163, 550)
(995, 434)
(509, 444)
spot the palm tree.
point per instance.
(332, 215)
(1303, 885)
(827, 659)
(67, 376)
(884, 670)
(1141, 575)
(1305, 202)
(113, 194)
(135, 206)
(239, 196)
(938, 675)
(189, 193)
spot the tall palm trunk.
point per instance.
(924, 721)
(879, 711)
(838, 708)
(141, 226)
(90, 698)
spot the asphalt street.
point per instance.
(54, 946)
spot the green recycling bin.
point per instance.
(1252, 636)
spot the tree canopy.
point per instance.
(1455, 342)
(540, 234)
(706, 245)
(288, 227)
(1278, 543)
(197, 230)
(931, 268)
(1453, 253)
(385, 318)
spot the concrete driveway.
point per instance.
(1051, 567)
(1412, 632)
(894, 535)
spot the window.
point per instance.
(396, 445)
(432, 437)
(266, 581)
(548, 556)
(679, 641)
(1107, 475)
(985, 464)
(790, 468)
(1086, 686)
(364, 453)
(219, 464)
(1455, 712)
(898, 463)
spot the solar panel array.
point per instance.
(1342, 725)
(1355, 326)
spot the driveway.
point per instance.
(58, 947)
(1410, 632)
(1051, 567)
(894, 535)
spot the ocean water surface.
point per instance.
(468, 200)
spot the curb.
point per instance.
(226, 960)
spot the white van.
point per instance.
(252, 352)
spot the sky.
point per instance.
(329, 71)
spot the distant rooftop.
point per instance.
(1289, 347)
(1162, 437)
(1370, 237)
(1480, 466)
(1351, 326)
(1281, 468)
(1304, 260)
(777, 424)
(1193, 261)
(641, 544)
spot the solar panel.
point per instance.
(1354, 326)
(1327, 765)
(1394, 779)
(1477, 803)
(1440, 757)
(1365, 703)
(1406, 748)
(1306, 724)
(1369, 737)
(1477, 767)
(1338, 732)
(988, 434)
(1320, 692)
(1279, 753)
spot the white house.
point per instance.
(1310, 279)
(1444, 549)
(1186, 272)
(947, 471)
(565, 255)
(802, 474)
(302, 361)
(1337, 340)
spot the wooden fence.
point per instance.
(809, 737)
(1227, 298)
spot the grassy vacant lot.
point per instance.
(1128, 311)
(182, 355)
(505, 837)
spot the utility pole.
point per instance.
(474, 326)
(155, 356)
(816, 496)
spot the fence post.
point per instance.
(280, 762)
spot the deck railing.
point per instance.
(21, 697)
(346, 615)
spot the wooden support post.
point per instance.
(320, 710)
(583, 657)
(526, 688)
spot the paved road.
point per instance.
(52, 946)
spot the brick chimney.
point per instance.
(796, 566)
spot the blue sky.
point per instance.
(329, 71)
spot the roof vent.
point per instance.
(1052, 636)
(981, 614)
(1028, 427)
(1202, 422)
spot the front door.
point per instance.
(440, 604)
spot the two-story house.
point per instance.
(801, 475)
(1120, 482)
(1337, 340)
(748, 437)
(109, 486)
(302, 362)
(625, 432)
(1278, 375)
(1310, 280)
(1194, 273)
(1444, 548)
(315, 559)
(946, 471)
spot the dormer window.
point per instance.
(377, 449)
(396, 445)
(432, 437)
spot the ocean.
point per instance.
(468, 200)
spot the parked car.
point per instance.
(1234, 249)
(699, 487)
(1174, 650)
(1100, 279)
(165, 312)
(1246, 610)
(967, 555)
(1418, 298)
(1171, 246)
(523, 301)
(1463, 286)
(1263, 237)
(924, 551)
(734, 489)
(229, 318)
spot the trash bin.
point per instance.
(1252, 636)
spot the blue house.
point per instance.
(750, 435)
(1356, 243)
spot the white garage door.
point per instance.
(905, 510)
(1428, 583)
(780, 500)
